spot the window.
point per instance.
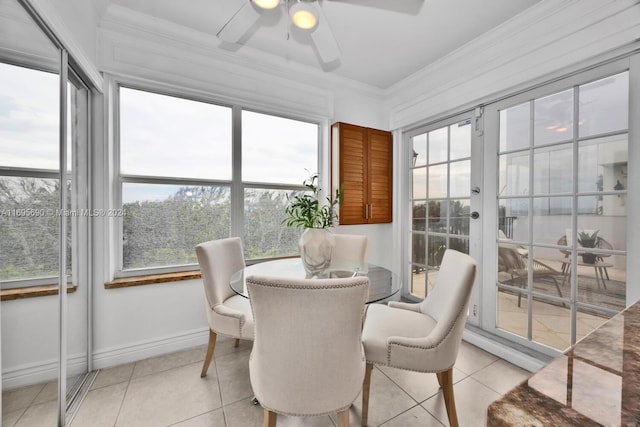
(29, 175)
(179, 186)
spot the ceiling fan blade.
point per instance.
(411, 7)
(239, 23)
(325, 43)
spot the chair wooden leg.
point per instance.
(366, 385)
(439, 375)
(270, 419)
(210, 349)
(237, 342)
(343, 418)
(449, 401)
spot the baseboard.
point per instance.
(35, 373)
(530, 362)
(143, 350)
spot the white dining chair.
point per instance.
(422, 337)
(349, 251)
(228, 314)
(307, 357)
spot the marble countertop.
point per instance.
(594, 383)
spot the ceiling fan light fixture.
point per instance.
(303, 15)
(266, 4)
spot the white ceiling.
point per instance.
(378, 46)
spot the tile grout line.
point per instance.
(124, 396)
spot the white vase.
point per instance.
(316, 245)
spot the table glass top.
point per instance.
(384, 283)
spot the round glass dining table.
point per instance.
(383, 282)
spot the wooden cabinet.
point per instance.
(362, 161)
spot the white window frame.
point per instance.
(236, 185)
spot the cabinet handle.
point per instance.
(371, 209)
(366, 211)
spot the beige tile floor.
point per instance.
(168, 391)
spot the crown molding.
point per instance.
(546, 38)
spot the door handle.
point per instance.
(474, 215)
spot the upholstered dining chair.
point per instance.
(349, 250)
(307, 357)
(228, 314)
(422, 337)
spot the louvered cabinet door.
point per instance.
(361, 162)
(380, 153)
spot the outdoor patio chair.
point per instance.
(515, 263)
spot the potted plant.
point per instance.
(307, 211)
(588, 240)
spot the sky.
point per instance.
(160, 136)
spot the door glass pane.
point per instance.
(460, 179)
(419, 183)
(515, 125)
(514, 174)
(438, 216)
(461, 245)
(435, 250)
(512, 306)
(460, 134)
(438, 146)
(603, 105)
(438, 181)
(602, 164)
(420, 216)
(155, 130)
(276, 149)
(602, 280)
(551, 217)
(419, 155)
(553, 118)
(459, 216)
(516, 214)
(552, 172)
(419, 249)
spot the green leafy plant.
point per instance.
(306, 211)
(588, 240)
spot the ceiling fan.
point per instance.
(307, 16)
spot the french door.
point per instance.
(445, 197)
(556, 162)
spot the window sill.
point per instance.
(152, 279)
(33, 291)
(126, 282)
